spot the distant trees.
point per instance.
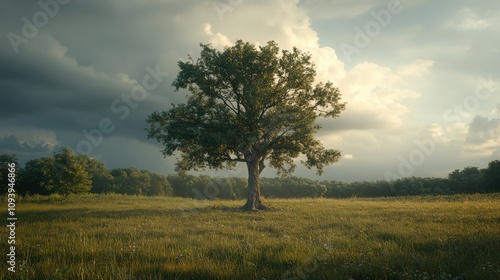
(140, 182)
(130, 181)
(492, 176)
(467, 180)
(420, 186)
(6, 159)
(205, 187)
(35, 177)
(290, 187)
(69, 175)
(62, 174)
(102, 180)
(66, 173)
(159, 185)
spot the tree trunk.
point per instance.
(254, 201)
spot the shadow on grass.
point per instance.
(83, 213)
(240, 209)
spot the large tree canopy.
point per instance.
(248, 104)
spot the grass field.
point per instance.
(127, 237)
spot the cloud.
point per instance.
(25, 150)
(94, 52)
(332, 9)
(496, 111)
(417, 68)
(483, 139)
(51, 90)
(483, 130)
(217, 40)
(27, 136)
(467, 19)
(374, 100)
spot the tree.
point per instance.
(492, 174)
(159, 185)
(36, 176)
(102, 180)
(292, 187)
(468, 180)
(251, 105)
(5, 160)
(69, 176)
(131, 181)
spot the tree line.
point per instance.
(66, 173)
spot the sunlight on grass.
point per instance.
(127, 237)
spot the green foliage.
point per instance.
(62, 174)
(247, 104)
(292, 187)
(68, 175)
(6, 159)
(204, 187)
(37, 177)
(370, 189)
(421, 186)
(131, 181)
(59, 175)
(102, 180)
(468, 180)
(336, 189)
(140, 182)
(159, 185)
(492, 176)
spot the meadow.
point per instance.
(135, 237)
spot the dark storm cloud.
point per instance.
(81, 67)
(483, 129)
(23, 151)
(12, 143)
(50, 91)
(112, 36)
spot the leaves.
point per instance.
(247, 103)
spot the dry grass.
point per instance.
(125, 237)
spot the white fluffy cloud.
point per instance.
(372, 91)
(217, 40)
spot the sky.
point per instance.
(421, 78)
